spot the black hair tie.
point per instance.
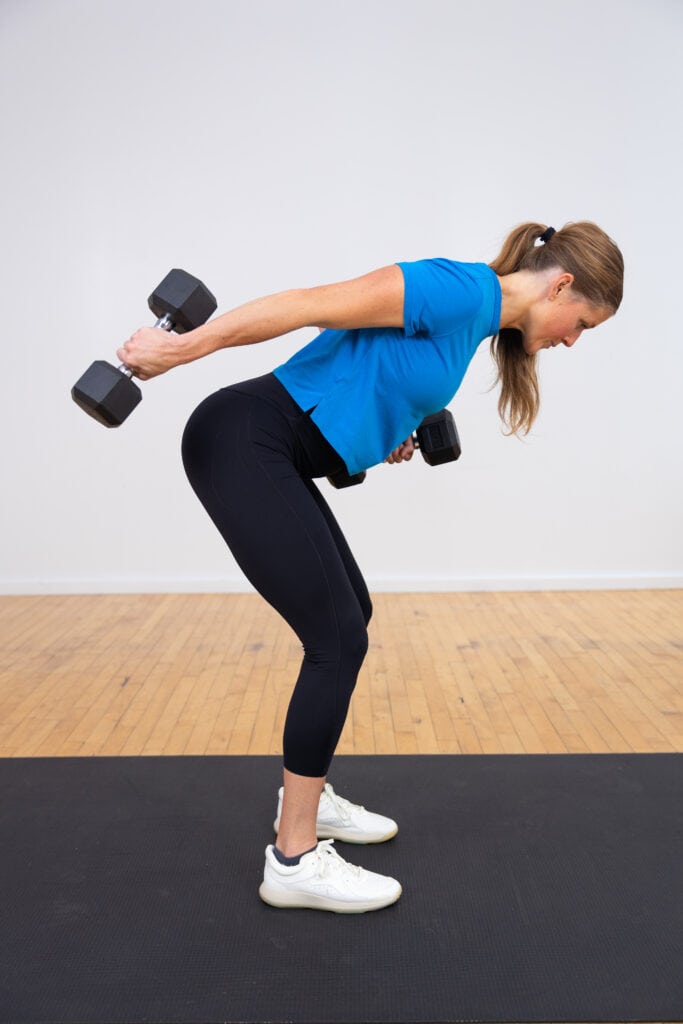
(547, 235)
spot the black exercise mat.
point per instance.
(536, 888)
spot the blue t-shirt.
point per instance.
(370, 388)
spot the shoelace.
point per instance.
(342, 806)
(330, 861)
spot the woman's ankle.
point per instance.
(297, 832)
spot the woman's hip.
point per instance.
(253, 421)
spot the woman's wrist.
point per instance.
(195, 344)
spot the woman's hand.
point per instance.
(151, 351)
(403, 453)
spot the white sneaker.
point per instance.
(340, 819)
(322, 880)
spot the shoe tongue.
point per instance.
(341, 807)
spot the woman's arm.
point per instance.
(373, 300)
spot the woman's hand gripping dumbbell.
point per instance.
(436, 437)
(107, 393)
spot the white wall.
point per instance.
(264, 145)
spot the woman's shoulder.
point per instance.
(442, 293)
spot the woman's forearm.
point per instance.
(151, 351)
(258, 320)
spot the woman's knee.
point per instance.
(345, 645)
(355, 643)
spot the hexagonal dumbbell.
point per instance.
(107, 393)
(436, 437)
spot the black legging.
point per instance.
(250, 454)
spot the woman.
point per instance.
(394, 347)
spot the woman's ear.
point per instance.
(559, 284)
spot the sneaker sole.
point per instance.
(344, 836)
(348, 837)
(309, 901)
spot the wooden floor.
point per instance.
(446, 673)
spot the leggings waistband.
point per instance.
(269, 388)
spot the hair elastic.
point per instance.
(547, 235)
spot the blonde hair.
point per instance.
(582, 249)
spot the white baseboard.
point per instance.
(385, 584)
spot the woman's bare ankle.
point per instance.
(297, 832)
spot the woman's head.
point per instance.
(549, 310)
(577, 274)
(581, 249)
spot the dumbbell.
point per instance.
(181, 302)
(436, 437)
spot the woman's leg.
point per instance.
(239, 466)
(352, 570)
(301, 796)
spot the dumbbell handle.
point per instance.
(166, 324)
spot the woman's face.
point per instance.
(559, 318)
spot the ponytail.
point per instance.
(581, 249)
